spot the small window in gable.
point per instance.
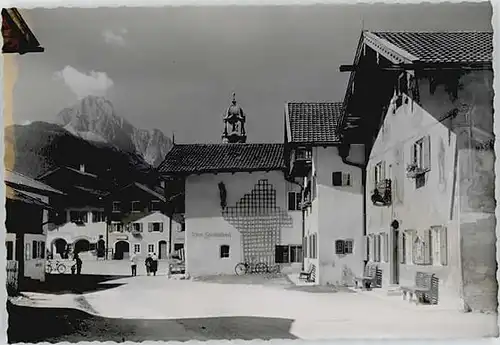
(135, 206)
(116, 206)
(155, 205)
(224, 251)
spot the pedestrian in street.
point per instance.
(148, 262)
(78, 264)
(154, 263)
(133, 264)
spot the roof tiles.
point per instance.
(206, 158)
(444, 47)
(314, 122)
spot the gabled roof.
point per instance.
(17, 195)
(53, 171)
(145, 189)
(18, 38)
(213, 158)
(313, 122)
(16, 179)
(442, 47)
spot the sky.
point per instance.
(175, 68)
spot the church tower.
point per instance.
(234, 124)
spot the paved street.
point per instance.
(299, 314)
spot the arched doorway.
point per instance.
(122, 249)
(81, 245)
(162, 250)
(59, 247)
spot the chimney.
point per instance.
(82, 167)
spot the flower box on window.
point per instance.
(382, 194)
(412, 171)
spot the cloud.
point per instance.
(115, 38)
(82, 85)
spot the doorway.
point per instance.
(162, 250)
(395, 257)
(122, 249)
(81, 246)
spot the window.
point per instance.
(135, 206)
(9, 247)
(137, 248)
(294, 199)
(98, 216)
(224, 251)
(421, 154)
(116, 206)
(78, 217)
(439, 245)
(313, 252)
(344, 246)
(178, 246)
(285, 254)
(117, 227)
(151, 248)
(304, 245)
(137, 227)
(155, 205)
(341, 179)
(155, 227)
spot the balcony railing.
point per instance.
(301, 162)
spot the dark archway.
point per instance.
(81, 246)
(122, 249)
(60, 247)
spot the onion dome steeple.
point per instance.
(234, 124)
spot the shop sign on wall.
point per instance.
(208, 235)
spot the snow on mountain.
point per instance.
(94, 119)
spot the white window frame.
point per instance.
(116, 225)
(137, 245)
(378, 173)
(149, 248)
(346, 179)
(138, 225)
(132, 203)
(116, 207)
(436, 246)
(160, 226)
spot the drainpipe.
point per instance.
(291, 180)
(344, 153)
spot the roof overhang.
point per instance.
(17, 36)
(219, 171)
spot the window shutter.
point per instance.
(366, 248)
(443, 240)
(85, 217)
(372, 177)
(382, 173)
(150, 227)
(339, 247)
(427, 153)
(372, 248)
(375, 245)
(384, 247)
(401, 247)
(291, 201)
(427, 254)
(161, 227)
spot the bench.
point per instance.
(369, 277)
(425, 289)
(309, 275)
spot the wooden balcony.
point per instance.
(301, 162)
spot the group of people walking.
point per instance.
(151, 263)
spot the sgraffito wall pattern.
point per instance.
(259, 220)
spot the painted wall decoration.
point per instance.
(259, 220)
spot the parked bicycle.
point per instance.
(258, 268)
(55, 266)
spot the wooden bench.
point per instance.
(369, 277)
(425, 289)
(309, 275)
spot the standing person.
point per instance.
(154, 263)
(148, 262)
(78, 264)
(133, 264)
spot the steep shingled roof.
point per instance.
(209, 158)
(15, 178)
(444, 47)
(313, 122)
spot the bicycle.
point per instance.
(249, 268)
(56, 266)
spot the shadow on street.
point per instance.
(71, 325)
(67, 283)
